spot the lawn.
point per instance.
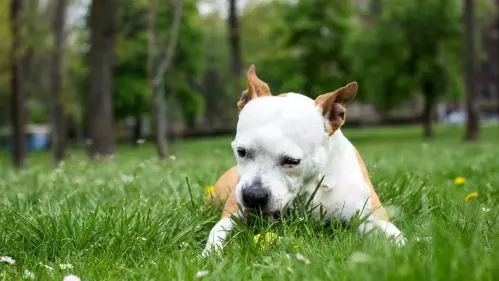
(132, 218)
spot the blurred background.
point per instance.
(95, 73)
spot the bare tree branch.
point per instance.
(172, 43)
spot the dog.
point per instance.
(290, 145)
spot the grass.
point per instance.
(132, 218)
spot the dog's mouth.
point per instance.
(272, 216)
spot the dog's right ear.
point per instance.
(256, 88)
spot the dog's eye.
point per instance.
(287, 161)
(241, 152)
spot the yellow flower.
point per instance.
(268, 240)
(210, 189)
(459, 181)
(471, 196)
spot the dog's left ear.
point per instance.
(332, 105)
(256, 88)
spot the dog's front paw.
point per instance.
(210, 249)
(400, 240)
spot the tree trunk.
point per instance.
(18, 110)
(429, 109)
(160, 120)
(235, 45)
(376, 7)
(472, 122)
(101, 129)
(137, 130)
(158, 64)
(58, 118)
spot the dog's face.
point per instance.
(281, 142)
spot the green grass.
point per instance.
(132, 218)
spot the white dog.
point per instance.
(284, 146)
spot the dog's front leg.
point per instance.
(218, 235)
(220, 231)
(388, 228)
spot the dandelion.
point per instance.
(266, 241)
(459, 181)
(202, 273)
(471, 196)
(302, 258)
(210, 189)
(65, 266)
(8, 260)
(71, 278)
(28, 275)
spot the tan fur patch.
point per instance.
(378, 209)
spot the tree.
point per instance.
(101, 79)
(236, 59)
(318, 30)
(58, 117)
(412, 47)
(472, 121)
(18, 111)
(158, 65)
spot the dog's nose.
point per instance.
(255, 196)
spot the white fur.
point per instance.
(270, 127)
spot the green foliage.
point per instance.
(131, 87)
(412, 47)
(304, 51)
(132, 94)
(318, 31)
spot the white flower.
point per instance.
(8, 260)
(423, 239)
(71, 278)
(359, 257)
(173, 157)
(65, 266)
(126, 179)
(202, 273)
(47, 267)
(485, 210)
(28, 275)
(302, 258)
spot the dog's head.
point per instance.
(281, 142)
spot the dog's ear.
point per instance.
(332, 105)
(256, 88)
